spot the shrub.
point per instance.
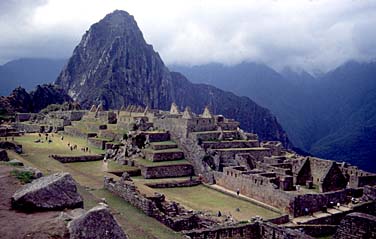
(23, 176)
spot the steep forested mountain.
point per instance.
(332, 116)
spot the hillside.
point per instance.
(333, 116)
(28, 73)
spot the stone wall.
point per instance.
(322, 230)
(97, 143)
(256, 230)
(30, 128)
(269, 190)
(175, 184)
(169, 213)
(158, 156)
(79, 158)
(357, 226)
(167, 171)
(257, 187)
(316, 201)
(230, 144)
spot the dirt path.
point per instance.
(19, 225)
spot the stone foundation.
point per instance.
(167, 171)
(80, 158)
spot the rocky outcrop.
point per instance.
(97, 223)
(54, 192)
(114, 65)
(21, 101)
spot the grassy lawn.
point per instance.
(89, 176)
(205, 199)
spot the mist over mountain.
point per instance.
(28, 73)
(114, 65)
(333, 116)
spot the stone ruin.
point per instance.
(307, 189)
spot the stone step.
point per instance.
(166, 171)
(164, 155)
(225, 144)
(163, 145)
(156, 136)
(215, 135)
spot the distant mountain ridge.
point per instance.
(28, 73)
(115, 66)
(333, 116)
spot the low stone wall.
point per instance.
(157, 136)
(321, 230)
(186, 183)
(167, 171)
(210, 136)
(80, 158)
(356, 226)
(97, 143)
(316, 202)
(230, 144)
(257, 153)
(265, 190)
(256, 230)
(30, 128)
(163, 146)
(169, 213)
(157, 156)
(69, 130)
(249, 231)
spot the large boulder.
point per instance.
(53, 192)
(3, 155)
(97, 223)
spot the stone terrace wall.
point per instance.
(257, 230)
(179, 219)
(315, 202)
(262, 189)
(30, 128)
(97, 143)
(256, 187)
(81, 158)
(357, 226)
(186, 183)
(167, 171)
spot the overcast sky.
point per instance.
(316, 34)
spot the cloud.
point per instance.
(316, 34)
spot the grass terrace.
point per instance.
(89, 176)
(206, 199)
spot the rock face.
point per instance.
(114, 65)
(57, 191)
(97, 223)
(43, 95)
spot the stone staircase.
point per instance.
(163, 158)
(229, 143)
